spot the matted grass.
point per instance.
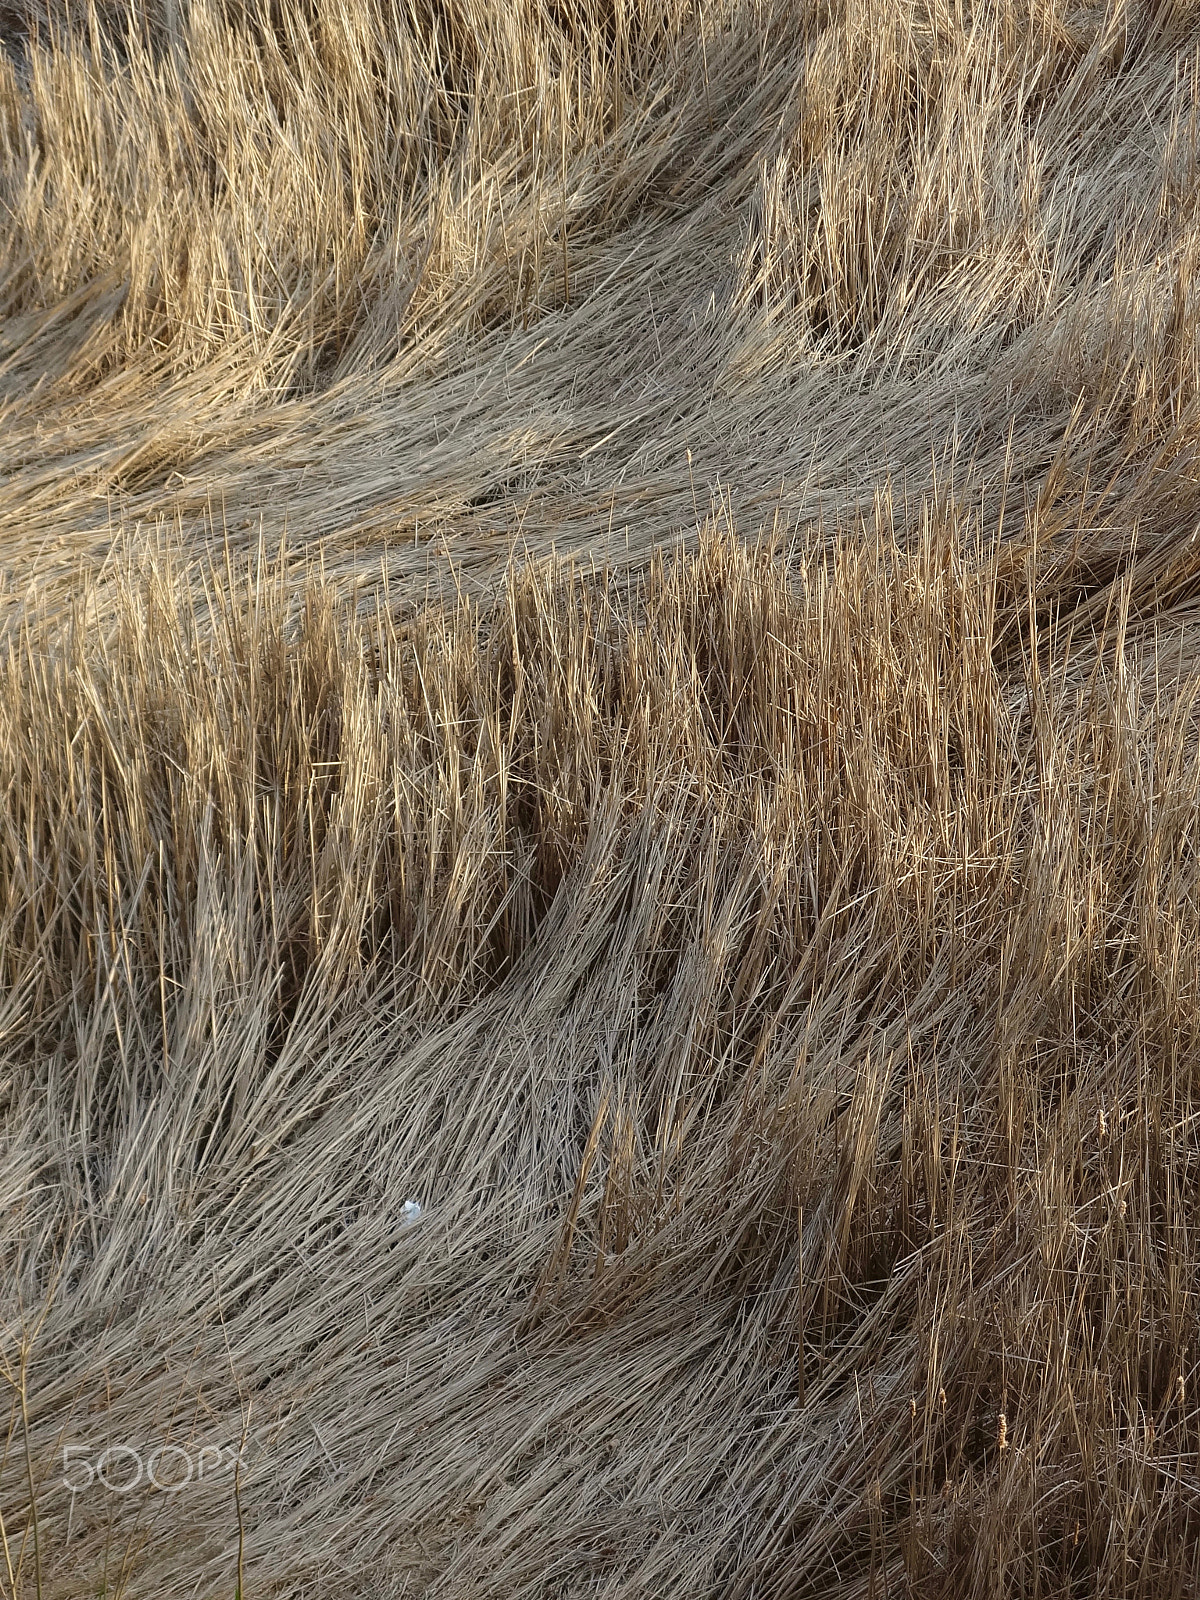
(599, 778)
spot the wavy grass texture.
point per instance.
(599, 789)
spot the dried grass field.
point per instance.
(599, 799)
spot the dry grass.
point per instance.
(601, 630)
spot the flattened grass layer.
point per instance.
(662, 1068)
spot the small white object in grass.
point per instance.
(410, 1212)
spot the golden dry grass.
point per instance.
(601, 631)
